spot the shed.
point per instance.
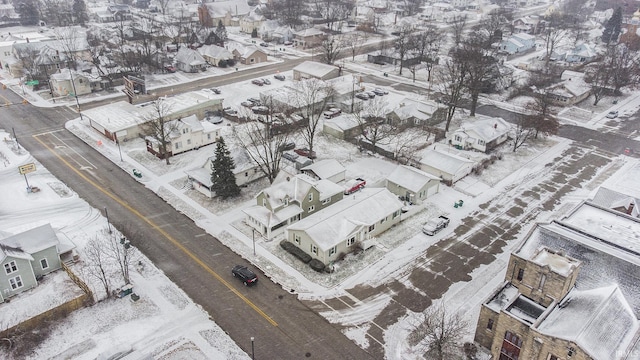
(412, 184)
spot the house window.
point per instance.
(264, 202)
(458, 138)
(296, 238)
(396, 214)
(246, 173)
(10, 267)
(44, 264)
(520, 274)
(372, 227)
(311, 197)
(312, 208)
(178, 145)
(16, 283)
(326, 201)
(480, 142)
(351, 241)
(188, 141)
(314, 249)
(185, 130)
(332, 251)
(286, 201)
(208, 136)
(490, 324)
(543, 279)
(510, 347)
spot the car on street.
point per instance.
(279, 77)
(434, 225)
(362, 95)
(266, 81)
(264, 44)
(258, 82)
(305, 152)
(245, 275)
(612, 115)
(287, 43)
(216, 90)
(379, 91)
(290, 156)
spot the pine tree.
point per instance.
(80, 12)
(221, 31)
(613, 27)
(28, 12)
(222, 177)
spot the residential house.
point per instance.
(229, 12)
(309, 38)
(412, 111)
(69, 82)
(412, 184)
(251, 22)
(571, 90)
(215, 55)
(529, 24)
(583, 53)
(617, 201)
(336, 230)
(483, 134)
(289, 200)
(247, 55)
(185, 134)
(342, 127)
(329, 169)
(245, 171)
(271, 30)
(317, 70)
(519, 43)
(363, 15)
(28, 256)
(189, 60)
(563, 286)
(449, 167)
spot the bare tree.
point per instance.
(372, 122)
(495, 23)
(624, 65)
(599, 77)
(403, 45)
(452, 78)
(262, 145)
(334, 12)
(120, 251)
(355, 41)
(458, 25)
(541, 116)
(163, 6)
(438, 333)
(330, 49)
(97, 263)
(69, 38)
(311, 97)
(157, 125)
(522, 132)
(554, 33)
(426, 44)
(479, 63)
(287, 11)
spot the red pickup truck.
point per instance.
(354, 185)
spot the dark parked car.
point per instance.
(216, 90)
(305, 152)
(247, 276)
(258, 82)
(255, 101)
(362, 96)
(279, 77)
(380, 92)
(262, 110)
(170, 68)
(264, 44)
(288, 146)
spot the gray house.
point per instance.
(189, 60)
(412, 184)
(28, 256)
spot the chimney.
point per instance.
(630, 210)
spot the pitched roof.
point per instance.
(333, 224)
(315, 69)
(215, 51)
(599, 320)
(410, 178)
(487, 129)
(448, 163)
(325, 168)
(617, 201)
(29, 242)
(189, 56)
(297, 187)
(220, 9)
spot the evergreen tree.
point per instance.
(613, 27)
(222, 177)
(221, 31)
(28, 11)
(80, 12)
(254, 33)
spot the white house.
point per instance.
(246, 171)
(214, 54)
(69, 82)
(481, 134)
(339, 228)
(518, 43)
(448, 167)
(571, 90)
(186, 134)
(582, 53)
(189, 60)
(329, 169)
(412, 184)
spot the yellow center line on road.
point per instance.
(164, 233)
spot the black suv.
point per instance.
(247, 276)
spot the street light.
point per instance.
(106, 214)
(253, 355)
(119, 150)
(253, 237)
(75, 93)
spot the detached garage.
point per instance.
(448, 167)
(412, 184)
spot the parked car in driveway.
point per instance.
(262, 110)
(287, 146)
(254, 101)
(434, 225)
(279, 77)
(306, 152)
(331, 113)
(264, 44)
(245, 275)
(258, 82)
(230, 112)
(170, 68)
(612, 115)
(354, 185)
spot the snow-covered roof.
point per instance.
(557, 262)
(29, 242)
(309, 32)
(220, 9)
(189, 56)
(617, 201)
(342, 122)
(409, 108)
(297, 187)
(269, 218)
(325, 169)
(599, 320)
(445, 162)
(333, 224)
(411, 178)
(523, 37)
(315, 69)
(487, 129)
